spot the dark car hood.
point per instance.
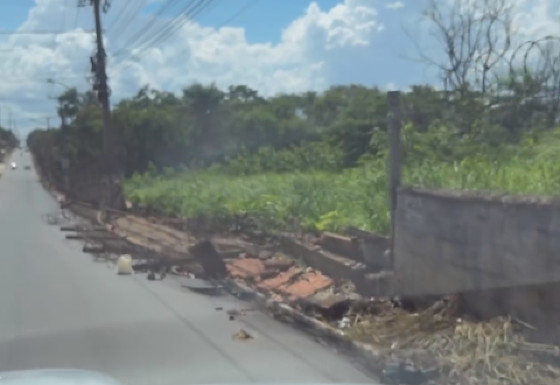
(56, 377)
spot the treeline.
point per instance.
(251, 133)
(8, 141)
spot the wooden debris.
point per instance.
(93, 248)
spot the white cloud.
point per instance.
(537, 18)
(395, 5)
(313, 52)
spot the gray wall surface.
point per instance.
(447, 242)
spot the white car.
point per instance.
(14, 166)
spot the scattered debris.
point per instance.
(74, 236)
(92, 235)
(344, 323)
(163, 272)
(418, 343)
(207, 255)
(238, 312)
(464, 352)
(242, 335)
(152, 236)
(93, 248)
(57, 218)
(124, 265)
(78, 228)
(400, 373)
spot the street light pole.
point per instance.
(66, 88)
(52, 81)
(112, 195)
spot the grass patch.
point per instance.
(323, 200)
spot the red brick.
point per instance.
(307, 285)
(279, 280)
(245, 268)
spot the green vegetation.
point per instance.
(321, 200)
(317, 161)
(8, 140)
(322, 169)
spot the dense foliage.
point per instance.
(8, 139)
(315, 161)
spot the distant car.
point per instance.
(27, 167)
(14, 166)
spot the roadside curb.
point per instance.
(364, 354)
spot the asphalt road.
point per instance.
(59, 308)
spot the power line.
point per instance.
(222, 24)
(189, 12)
(238, 13)
(29, 80)
(39, 32)
(138, 4)
(146, 29)
(186, 15)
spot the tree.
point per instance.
(204, 104)
(535, 75)
(69, 104)
(474, 37)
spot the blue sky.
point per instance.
(264, 21)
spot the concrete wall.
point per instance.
(449, 242)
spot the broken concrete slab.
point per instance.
(373, 248)
(328, 263)
(281, 279)
(231, 247)
(93, 248)
(153, 236)
(338, 267)
(296, 283)
(279, 261)
(308, 284)
(341, 244)
(245, 268)
(78, 228)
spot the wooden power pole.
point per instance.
(111, 192)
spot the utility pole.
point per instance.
(101, 83)
(112, 192)
(100, 86)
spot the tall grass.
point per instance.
(325, 200)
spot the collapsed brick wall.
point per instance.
(449, 242)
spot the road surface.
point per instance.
(59, 308)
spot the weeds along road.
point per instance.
(59, 308)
